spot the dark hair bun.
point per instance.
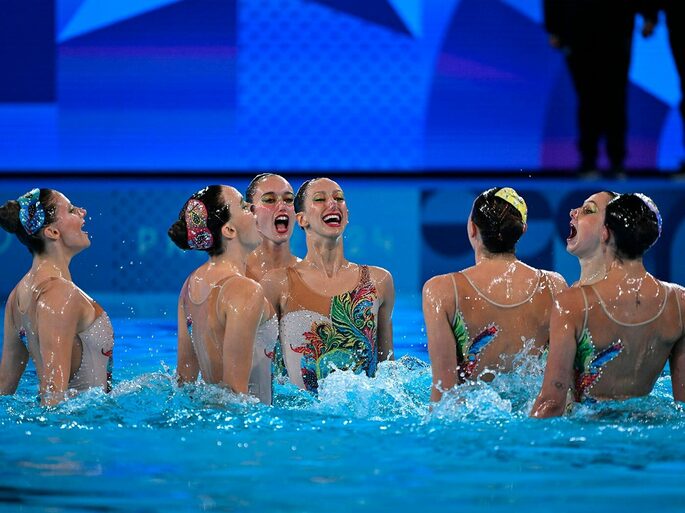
(500, 224)
(9, 216)
(178, 233)
(635, 224)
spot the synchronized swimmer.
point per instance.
(254, 312)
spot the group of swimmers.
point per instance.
(254, 312)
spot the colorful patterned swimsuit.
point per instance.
(320, 334)
(589, 364)
(469, 350)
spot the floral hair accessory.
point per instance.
(512, 197)
(652, 206)
(31, 213)
(199, 236)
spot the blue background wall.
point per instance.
(180, 85)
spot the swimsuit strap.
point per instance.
(680, 313)
(365, 276)
(582, 290)
(456, 299)
(628, 324)
(500, 305)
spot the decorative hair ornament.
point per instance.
(652, 206)
(512, 197)
(199, 236)
(31, 213)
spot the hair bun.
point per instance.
(635, 222)
(9, 216)
(178, 233)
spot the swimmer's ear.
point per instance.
(50, 232)
(228, 231)
(605, 235)
(301, 220)
(471, 229)
(525, 228)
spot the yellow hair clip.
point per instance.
(512, 197)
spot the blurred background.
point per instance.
(415, 106)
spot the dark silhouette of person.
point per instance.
(675, 21)
(596, 39)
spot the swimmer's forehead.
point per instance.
(324, 185)
(273, 184)
(599, 197)
(231, 194)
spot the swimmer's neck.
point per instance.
(232, 258)
(593, 268)
(48, 265)
(482, 256)
(271, 255)
(627, 269)
(326, 256)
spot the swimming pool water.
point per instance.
(362, 445)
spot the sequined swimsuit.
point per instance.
(207, 339)
(97, 343)
(320, 333)
(469, 350)
(590, 363)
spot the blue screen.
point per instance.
(383, 85)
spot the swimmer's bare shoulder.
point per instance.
(241, 287)
(62, 298)
(570, 306)
(383, 280)
(438, 288)
(556, 281)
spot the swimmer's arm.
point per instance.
(441, 344)
(551, 402)
(677, 358)
(387, 292)
(243, 308)
(58, 316)
(187, 366)
(14, 356)
(677, 364)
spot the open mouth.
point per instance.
(281, 223)
(573, 232)
(332, 220)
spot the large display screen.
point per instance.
(382, 85)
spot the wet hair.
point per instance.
(252, 187)
(634, 223)
(10, 222)
(217, 215)
(500, 224)
(611, 194)
(302, 194)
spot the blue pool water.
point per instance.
(363, 445)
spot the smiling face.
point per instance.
(273, 201)
(242, 220)
(69, 223)
(325, 211)
(587, 230)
